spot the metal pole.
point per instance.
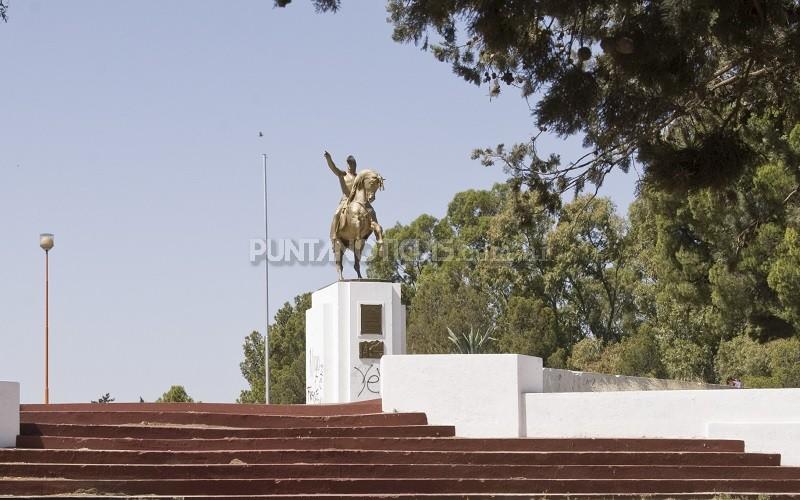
(266, 287)
(46, 327)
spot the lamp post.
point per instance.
(46, 242)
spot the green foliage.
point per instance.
(773, 364)
(682, 167)
(660, 294)
(784, 276)
(588, 355)
(105, 398)
(320, 5)
(674, 82)
(587, 274)
(496, 261)
(529, 326)
(444, 300)
(638, 355)
(175, 394)
(408, 249)
(252, 368)
(686, 360)
(286, 357)
(473, 342)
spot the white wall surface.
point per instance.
(481, 394)
(765, 437)
(9, 414)
(334, 371)
(671, 414)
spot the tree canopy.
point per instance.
(699, 286)
(175, 394)
(287, 357)
(669, 85)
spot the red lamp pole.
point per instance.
(46, 242)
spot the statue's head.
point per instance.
(351, 164)
(372, 183)
(368, 181)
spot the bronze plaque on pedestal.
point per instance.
(371, 319)
(372, 349)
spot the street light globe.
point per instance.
(46, 241)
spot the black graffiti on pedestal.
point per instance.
(369, 379)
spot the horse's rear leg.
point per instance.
(338, 251)
(357, 248)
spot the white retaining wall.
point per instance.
(481, 394)
(764, 437)
(765, 418)
(9, 414)
(500, 395)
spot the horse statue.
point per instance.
(356, 219)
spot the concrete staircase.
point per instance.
(225, 450)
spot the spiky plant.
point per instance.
(473, 342)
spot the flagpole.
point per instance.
(266, 287)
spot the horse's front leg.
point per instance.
(377, 230)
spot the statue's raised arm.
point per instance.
(332, 166)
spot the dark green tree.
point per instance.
(287, 354)
(717, 265)
(286, 357)
(105, 398)
(175, 394)
(670, 83)
(252, 368)
(495, 261)
(320, 5)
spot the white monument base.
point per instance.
(482, 395)
(349, 326)
(9, 414)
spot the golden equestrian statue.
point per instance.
(354, 218)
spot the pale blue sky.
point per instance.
(130, 130)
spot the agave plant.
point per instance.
(473, 342)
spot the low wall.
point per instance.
(9, 414)
(765, 437)
(481, 394)
(556, 380)
(764, 418)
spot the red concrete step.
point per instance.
(380, 443)
(504, 496)
(386, 457)
(181, 487)
(366, 471)
(167, 431)
(359, 408)
(219, 419)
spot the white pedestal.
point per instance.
(9, 414)
(482, 395)
(349, 326)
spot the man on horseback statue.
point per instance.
(354, 218)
